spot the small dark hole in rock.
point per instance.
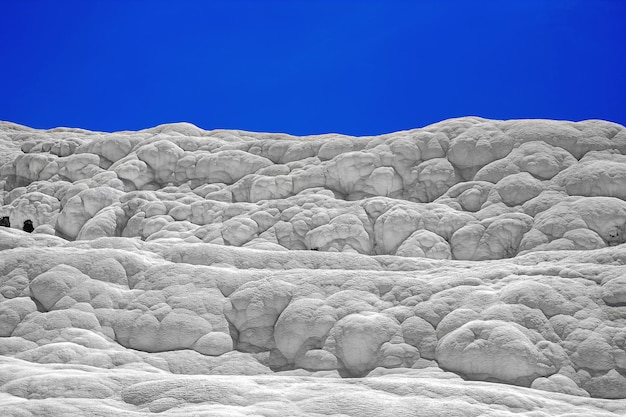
(28, 226)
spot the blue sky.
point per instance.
(306, 67)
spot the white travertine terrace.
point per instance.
(471, 267)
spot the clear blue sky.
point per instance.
(305, 67)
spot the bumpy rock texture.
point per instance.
(163, 260)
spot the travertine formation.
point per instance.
(164, 259)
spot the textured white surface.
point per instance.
(189, 272)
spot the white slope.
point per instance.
(473, 267)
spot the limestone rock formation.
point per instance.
(471, 267)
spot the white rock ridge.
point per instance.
(434, 265)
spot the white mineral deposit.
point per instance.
(473, 267)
